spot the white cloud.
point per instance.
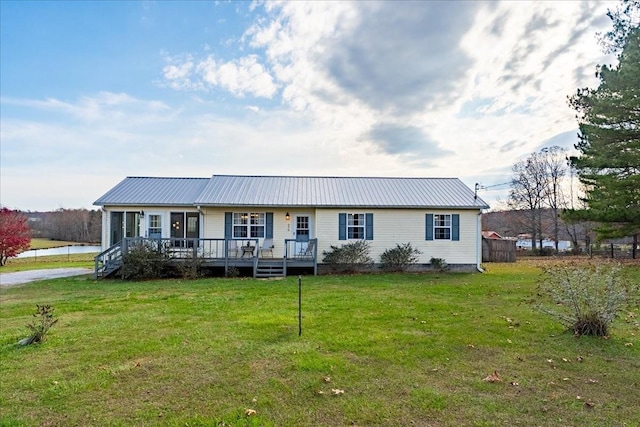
(240, 77)
(177, 72)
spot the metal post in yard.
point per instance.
(611, 250)
(299, 305)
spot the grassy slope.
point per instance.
(406, 350)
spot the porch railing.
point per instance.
(303, 253)
(108, 261)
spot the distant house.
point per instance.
(491, 235)
(276, 223)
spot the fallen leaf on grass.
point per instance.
(337, 391)
(564, 359)
(249, 412)
(492, 378)
(326, 379)
(628, 344)
(471, 346)
(579, 359)
(589, 404)
(592, 381)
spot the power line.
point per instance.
(485, 187)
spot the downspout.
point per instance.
(479, 243)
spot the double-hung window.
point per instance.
(442, 227)
(355, 226)
(248, 224)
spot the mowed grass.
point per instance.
(49, 261)
(406, 349)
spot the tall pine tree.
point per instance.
(609, 137)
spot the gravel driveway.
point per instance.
(20, 277)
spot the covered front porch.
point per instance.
(218, 253)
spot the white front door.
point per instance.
(302, 232)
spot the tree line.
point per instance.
(75, 225)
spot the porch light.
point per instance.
(287, 216)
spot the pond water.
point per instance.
(63, 250)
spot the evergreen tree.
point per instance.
(609, 137)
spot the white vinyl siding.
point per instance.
(393, 226)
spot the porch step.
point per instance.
(109, 269)
(268, 269)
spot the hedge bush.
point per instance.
(349, 258)
(400, 257)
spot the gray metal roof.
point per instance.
(295, 191)
(145, 191)
(224, 190)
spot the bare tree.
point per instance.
(528, 189)
(555, 169)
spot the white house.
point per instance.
(249, 220)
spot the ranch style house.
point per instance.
(274, 225)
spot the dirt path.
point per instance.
(20, 277)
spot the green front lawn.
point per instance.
(398, 350)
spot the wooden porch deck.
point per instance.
(216, 253)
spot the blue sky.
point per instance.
(92, 92)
